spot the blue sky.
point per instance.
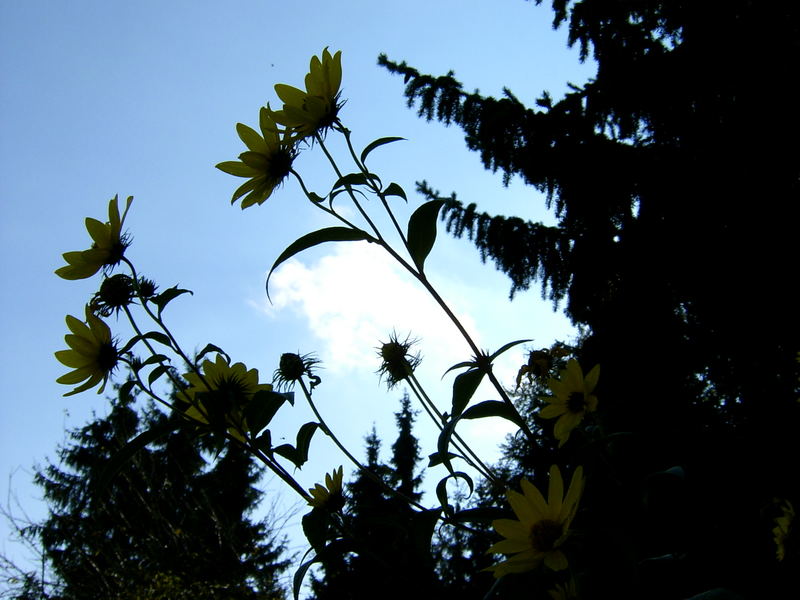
(141, 98)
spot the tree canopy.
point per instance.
(675, 189)
(172, 522)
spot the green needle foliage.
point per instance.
(173, 523)
(675, 195)
(388, 562)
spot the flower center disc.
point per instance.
(576, 402)
(544, 535)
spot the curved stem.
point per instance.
(349, 189)
(174, 343)
(481, 359)
(474, 460)
(278, 469)
(346, 133)
(321, 206)
(350, 456)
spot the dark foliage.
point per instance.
(167, 525)
(390, 560)
(674, 181)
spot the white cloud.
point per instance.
(355, 298)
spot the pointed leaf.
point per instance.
(261, 409)
(395, 190)
(507, 346)
(211, 348)
(422, 231)
(304, 439)
(321, 236)
(464, 388)
(467, 363)
(264, 442)
(493, 408)
(441, 489)
(315, 527)
(156, 373)
(350, 179)
(443, 444)
(377, 143)
(297, 580)
(151, 360)
(299, 454)
(167, 296)
(437, 459)
(157, 336)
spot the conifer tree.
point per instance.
(405, 453)
(166, 525)
(387, 562)
(675, 197)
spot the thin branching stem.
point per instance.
(350, 456)
(459, 443)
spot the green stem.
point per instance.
(473, 460)
(321, 206)
(346, 133)
(349, 455)
(349, 189)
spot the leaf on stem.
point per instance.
(261, 409)
(356, 179)
(377, 143)
(507, 346)
(437, 459)
(298, 454)
(441, 489)
(493, 408)
(464, 388)
(211, 348)
(321, 236)
(422, 231)
(156, 336)
(167, 296)
(395, 190)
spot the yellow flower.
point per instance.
(329, 496)
(266, 163)
(542, 526)
(783, 525)
(573, 396)
(92, 354)
(221, 393)
(108, 245)
(314, 110)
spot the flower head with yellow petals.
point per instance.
(108, 245)
(330, 496)
(314, 110)
(92, 353)
(542, 526)
(221, 392)
(266, 162)
(573, 396)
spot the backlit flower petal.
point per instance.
(555, 493)
(535, 497)
(511, 529)
(556, 560)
